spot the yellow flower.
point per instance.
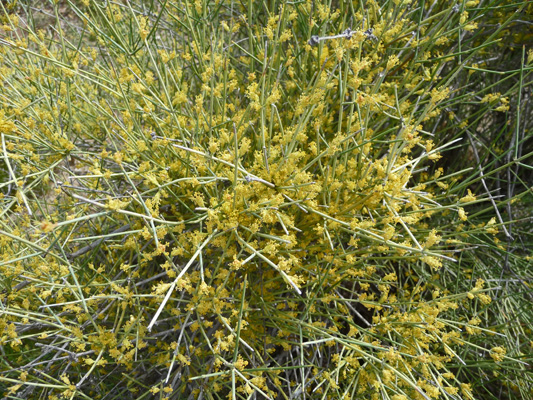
(468, 198)
(498, 353)
(462, 214)
(47, 226)
(392, 62)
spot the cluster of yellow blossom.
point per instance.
(199, 204)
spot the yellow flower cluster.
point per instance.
(208, 193)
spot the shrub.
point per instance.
(266, 200)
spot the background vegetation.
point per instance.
(279, 199)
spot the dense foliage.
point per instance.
(281, 200)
